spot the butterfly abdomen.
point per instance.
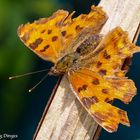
(89, 44)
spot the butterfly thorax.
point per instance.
(76, 59)
(64, 64)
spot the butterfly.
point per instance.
(93, 63)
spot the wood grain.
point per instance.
(64, 118)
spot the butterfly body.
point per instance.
(92, 63)
(64, 64)
(78, 58)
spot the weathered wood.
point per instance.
(64, 117)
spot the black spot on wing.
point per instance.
(44, 49)
(88, 101)
(105, 55)
(35, 44)
(102, 72)
(105, 91)
(63, 33)
(98, 65)
(54, 38)
(43, 31)
(49, 32)
(95, 81)
(84, 87)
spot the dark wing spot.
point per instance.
(84, 87)
(95, 81)
(79, 89)
(119, 34)
(98, 64)
(107, 100)
(102, 72)
(94, 99)
(78, 27)
(88, 101)
(36, 43)
(105, 55)
(43, 31)
(49, 32)
(63, 33)
(44, 49)
(47, 46)
(54, 38)
(105, 91)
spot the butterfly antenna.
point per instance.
(30, 73)
(30, 90)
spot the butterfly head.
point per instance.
(64, 64)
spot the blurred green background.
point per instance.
(21, 111)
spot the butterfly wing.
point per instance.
(104, 80)
(47, 37)
(94, 92)
(116, 48)
(43, 36)
(75, 30)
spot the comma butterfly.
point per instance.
(92, 63)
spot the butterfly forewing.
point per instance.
(50, 37)
(44, 36)
(77, 29)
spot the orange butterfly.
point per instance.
(92, 63)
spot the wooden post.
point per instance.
(64, 118)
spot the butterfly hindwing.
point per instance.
(95, 93)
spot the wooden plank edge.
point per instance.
(47, 107)
(136, 35)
